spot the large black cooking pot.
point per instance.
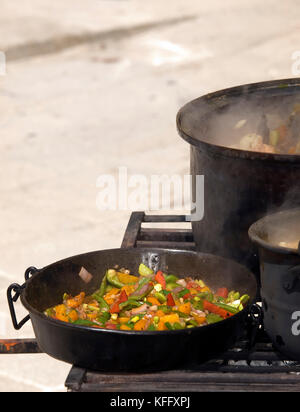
(280, 278)
(240, 186)
(129, 350)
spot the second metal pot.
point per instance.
(280, 278)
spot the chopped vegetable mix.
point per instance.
(148, 301)
(279, 136)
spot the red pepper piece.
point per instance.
(216, 309)
(110, 326)
(123, 297)
(159, 277)
(193, 285)
(187, 296)
(170, 300)
(222, 292)
(115, 308)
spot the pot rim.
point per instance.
(224, 151)
(191, 331)
(255, 238)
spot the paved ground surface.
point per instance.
(96, 85)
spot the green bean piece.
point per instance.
(102, 303)
(104, 317)
(83, 322)
(103, 285)
(169, 326)
(229, 308)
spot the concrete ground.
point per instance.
(95, 85)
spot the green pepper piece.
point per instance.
(192, 322)
(171, 279)
(50, 312)
(165, 308)
(144, 270)
(198, 304)
(171, 286)
(177, 326)
(244, 299)
(130, 304)
(206, 296)
(232, 296)
(112, 278)
(182, 293)
(151, 327)
(213, 318)
(160, 297)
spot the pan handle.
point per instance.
(17, 289)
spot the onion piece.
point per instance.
(181, 282)
(140, 309)
(85, 275)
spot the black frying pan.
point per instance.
(115, 350)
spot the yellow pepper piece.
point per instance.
(199, 319)
(140, 325)
(73, 315)
(128, 289)
(173, 318)
(124, 278)
(153, 300)
(61, 313)
(161, 325)
(76, 301)
(124, 327)
(110, 296)
(124, 319)
(185, 308)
